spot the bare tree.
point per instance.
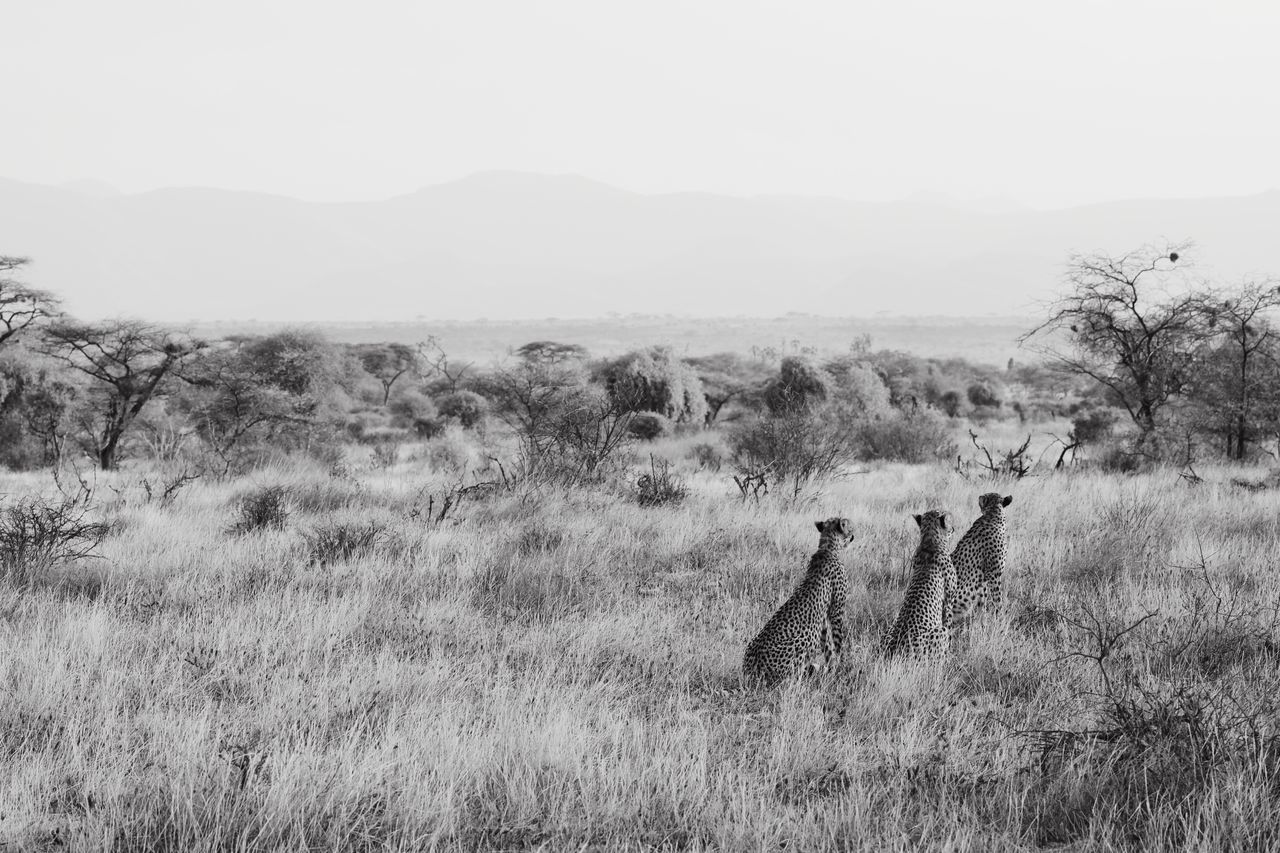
(20, 305)
(1121, 323)
(129, 360)
(434, 357)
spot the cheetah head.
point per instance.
(993, 500)
(836, 530)
(934, 527)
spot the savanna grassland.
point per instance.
(558, 669)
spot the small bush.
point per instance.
(385, 455)
(451, 453)
(409, 405)
(648, 426)
(340, 541)
(428, 427)
(981, 395)
(708, 456)
(35, 532)
(659, 487)
(1094, 425)
(466, 407)
(797, 448)
(265, 508)
(915, 437)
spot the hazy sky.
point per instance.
(1048, 104)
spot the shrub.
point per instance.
(915, 437)
(35, 532)
(466, 407)
(264, 508)
(659, 486)
(409, 405)
(797, 448)
(648, 426)
(428, 427)
(655, 380)
(385, 454)
(1094, 425)
(950, 402)
(708, 456)
(982, 395)
(799, 386)
(340, 541)
(451, 453)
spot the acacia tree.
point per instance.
(726, 376)
(1123, 323)
(387, 363)
(235, 403)
(128, 361)
(1237, 383)
(21, 305)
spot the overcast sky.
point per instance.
(1046, 104)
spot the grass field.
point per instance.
(559, 669)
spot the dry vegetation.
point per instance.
(558, 669)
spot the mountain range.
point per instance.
(509, 245)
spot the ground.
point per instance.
(559, 669)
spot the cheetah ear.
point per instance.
(942, 520)
(1008, 499)
(819, 525)
(919, 520)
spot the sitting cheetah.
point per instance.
(979, 559)
(923, 625)
(811, 622)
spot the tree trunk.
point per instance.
(107, 455)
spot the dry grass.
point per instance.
(559, 670)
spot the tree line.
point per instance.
(1189, 366)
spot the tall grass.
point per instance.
(557, 669)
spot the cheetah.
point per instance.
(979, 559)
(808, 630)
(923, 625)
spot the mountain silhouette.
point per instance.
(510, 245)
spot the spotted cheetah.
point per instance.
(923, 625)
(979, 559)
(808, 630)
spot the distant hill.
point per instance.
(504, 245)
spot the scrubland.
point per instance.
(558, 669)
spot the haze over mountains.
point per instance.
(506, 245)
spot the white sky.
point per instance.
(1047, 104)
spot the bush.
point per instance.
(340, 541)
(1092, 426)
(708, 456)
(915, 437)
(35, 532)
(648, 426)
(798, 387)
(981, 395)
(385, 455)
(797, 448)
(428, 427)
(451, 452)
(659, 487)
(409, 405)
(466, 407)
(655, 380)
(264, 508)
